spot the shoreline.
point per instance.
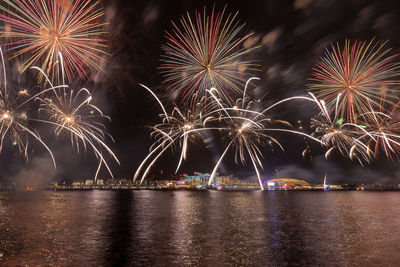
(201, 190)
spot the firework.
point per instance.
(179, 127)
(206, 52)
(71, 113)
(361, 73)
(385, 128)
(40, 30)
(248, 130)
(347, 138)
(14, 121)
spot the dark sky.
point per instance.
(293, 35)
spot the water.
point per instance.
(185, 228)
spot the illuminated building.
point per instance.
(228, 180)
(286, 184)
(199, 178)
(89, 182)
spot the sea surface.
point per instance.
(189, 228)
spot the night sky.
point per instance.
(293, 35)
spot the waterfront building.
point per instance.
(89, 182)
(228, 180)
(123, 181)
(110, 182)
(77, 183)
(286, 184)
(199, 178)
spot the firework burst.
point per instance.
(248, 130)
(71, 113)
(180, 127)
(361, 73)
(40, 30)
(385, 128)
(347, 138)
(14, 121)
(206, 52)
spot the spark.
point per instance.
(361, 72)
(70, 112)
(249, 130)
(204, 52)
(40, 30)
(14, 122)
(347, 138)
(385, 128)
(177, 127)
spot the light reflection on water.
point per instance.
(199, 228)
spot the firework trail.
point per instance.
(248, 130)
(39, 30)
(14, 120)
(385, 128)
(205, 52)
(361, 73)
(71, 113)
(348, 138)
(180, 126)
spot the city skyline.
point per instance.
(285, 65)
